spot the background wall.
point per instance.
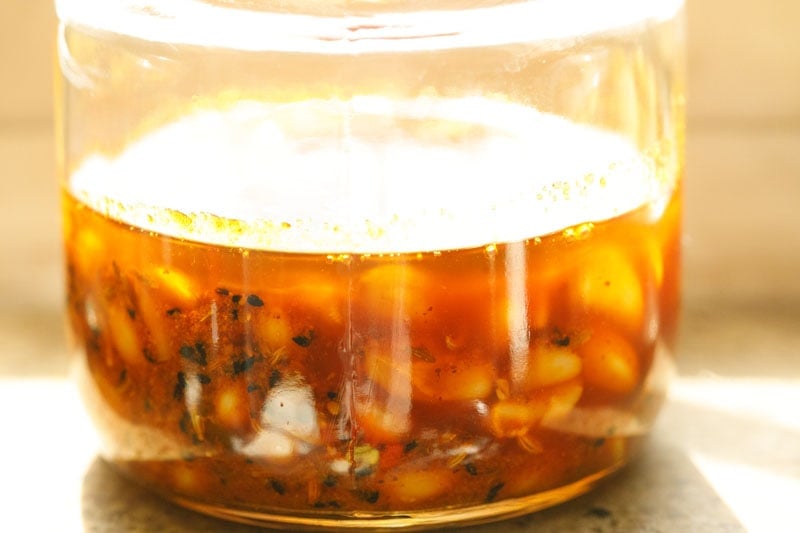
(743, 184)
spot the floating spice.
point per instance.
(180, 386)
(561, 340)
(423, 354)
(195, 354)
(255, 301)
(493, 491)
(304, 341)
(274, 377)
(240, 366)
(277, 486)
(370, 496)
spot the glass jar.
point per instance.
(371, 263)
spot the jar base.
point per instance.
(407, 521)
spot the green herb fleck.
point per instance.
(180, 386)
(274, 377)
(492, 494)
(191, 353)
(304, 341)
(277, 486)
(255, 301)
(370, 496)
(599, 512)
(561, 341)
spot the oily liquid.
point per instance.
(409, 368)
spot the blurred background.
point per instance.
(741, 319)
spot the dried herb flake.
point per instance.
(180, 386)
(471, 469)
(493, 491)
(410, 446)
(255, 301)
(370, 496)
(304, 341)
(599, 512)
(240, 366)
(195, 354)
(562, 341)
(277, 486)
(274, 378)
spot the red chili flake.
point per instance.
(423, 354)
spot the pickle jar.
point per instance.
(371, 263)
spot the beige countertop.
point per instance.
(724, 456)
